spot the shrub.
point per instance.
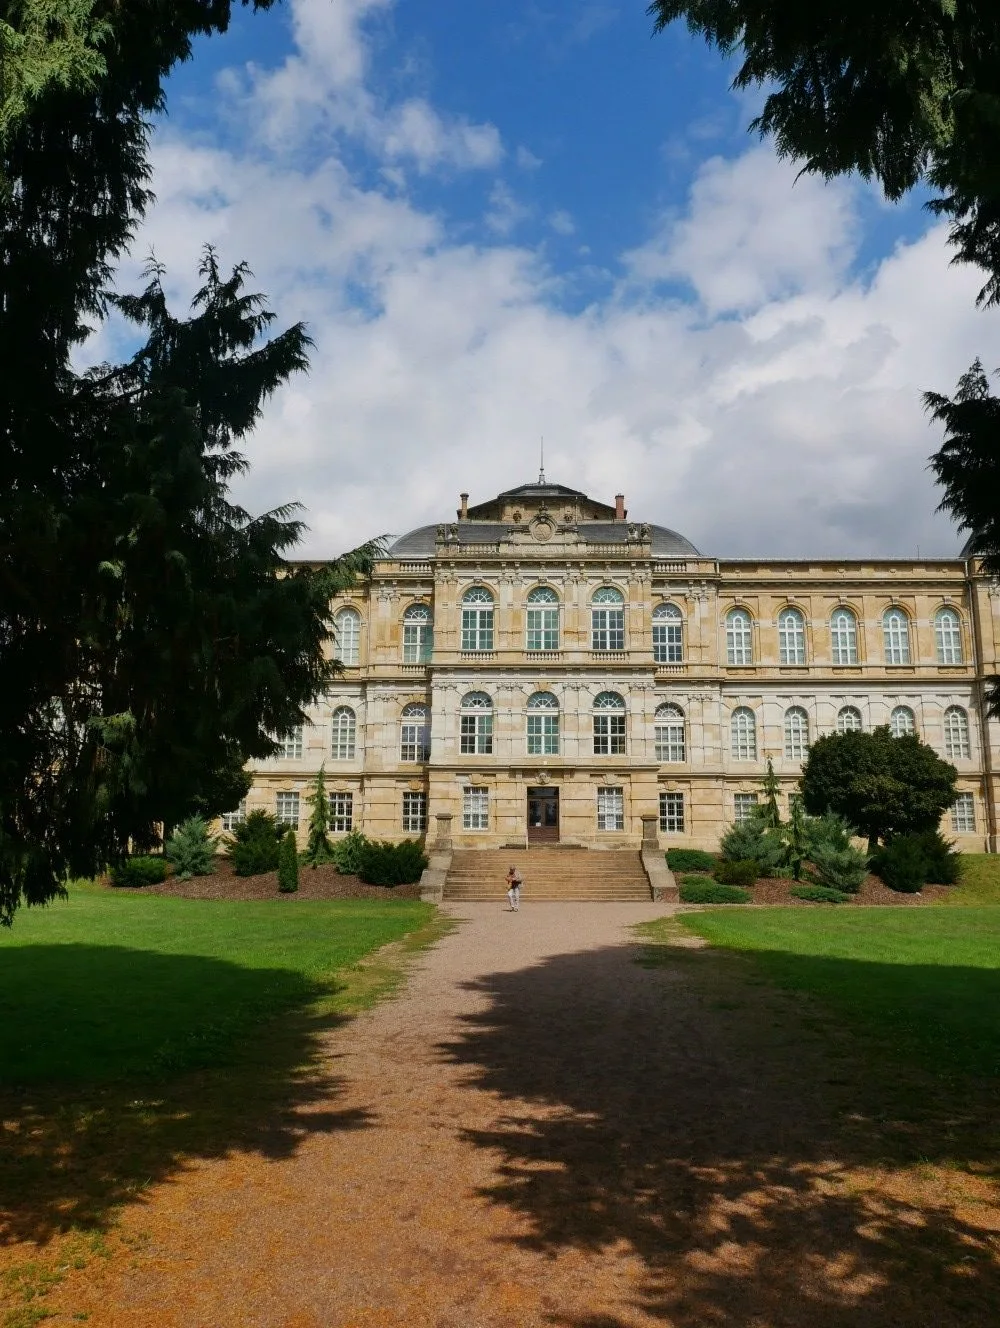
(318, 849)
(191, 849)
(136, 872)
(288, 864)
(347, 853)
(689, 859)
(753, 841)
(695, 880)
(254, 849)
(943, 864)
(829, 830)
(841, 869)
(736, 873)
(901, 864)
(386, 863)
(819, 894)
(709, 892)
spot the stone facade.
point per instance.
(502, 648)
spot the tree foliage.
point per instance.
(318, 850)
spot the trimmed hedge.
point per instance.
(689, 859)
(136, 872)
(709, 892)
(382, 862)
(819, 894)
(736, 873)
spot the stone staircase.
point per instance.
(549, 874)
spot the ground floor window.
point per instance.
(286, 809)
(230, 820)
(610, 809)
(415, 813)
(341, 812)
(963, 814)
(672, 813)
(744, 806)
(475, 809)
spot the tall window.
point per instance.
(543, 725)
(744, 805)
(948, 636)
(475, 809)
(415, 813)
(415, 733)
(791, 637)
(844, 637)
(543, 620)
(610, 809)
(963, 814)
(743, 734)
(796, 733)
(291, 744)
(607, 619)
(668, 634)
(902, 722)
(230, 820)
(477, 619)
(956, 732)
(418, 634)
(672, 813)
(341, 812)
(286, 809)
(477, 724)
(848, 719)
(739, 638)
(668, 733)
(344, 729)
(347, 627)
(896, 635)
(609, 725)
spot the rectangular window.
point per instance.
(609, 735)
(744, 804)
(477, 629)
(607, 629)
(610, 809)
(543, 629)
(286, 809)
(668, 643)
(672, 813)
(418, 642)
(668, 742)
(291, 745)
(230, 820)
(414, 742)
(415, 813)
(477, 735)
(341, 812)
(543, 735)
(963, 814)
(475, 809)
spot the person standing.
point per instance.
(514, 883)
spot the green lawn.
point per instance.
(980, 883)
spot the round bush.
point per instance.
(901, 864)
(743, 872)
(710, 892)
(136, 872)
(689, 860)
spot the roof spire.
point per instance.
(541, 467)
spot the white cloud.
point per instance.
(561, 222)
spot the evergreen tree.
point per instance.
(319, 850)
(288, 864)
(770, 811)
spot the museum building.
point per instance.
(544, 669)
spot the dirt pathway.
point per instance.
(546, 1132)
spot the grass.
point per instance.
(980, 883)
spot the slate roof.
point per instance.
(421, 542)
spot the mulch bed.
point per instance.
(314, 883)
(777, 890)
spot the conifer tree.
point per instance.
(319, 850)
(288, 864)
(770, 812)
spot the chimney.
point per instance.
(620, 513)
(463, 511)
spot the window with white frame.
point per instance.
(607, 619)
(347, 631)
(477, 619)
(963, 814)
(902, 721)
(341, 812)
(668, 634)
(609, 724)
(844, 637)
(415, 813)
(290, 748)
(542, 622)
(849, 720)
(791, 637)
(743, 734)
(739, 638)
(543, 725)
(286, 809)
(475, 809)
(796, 734)
(415, 733)
(956, 733)
(668, 734)
(611, 809)
(476, 724)
(672, 813)
(230, 820)
(896, 636)
(948, 636)
(418, 634)
(344, 730)
(744, 806)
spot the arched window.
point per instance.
(542, 626)
(668, 733)
(948, 636)
(477, 724)
(739, 638)
(791, 637)
(418, 634)
(796, 734)
(668, 634)
(956, 732)
(543, 725)
(743, 734)
(902, 721)
(609, 724)
(896, 634)
(477, 619)
(607, 619)
(415, 733)
(848, 719)
(344, 729)
(347, 630)
(844, 637)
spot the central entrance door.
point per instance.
(543, 815)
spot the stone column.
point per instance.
(649, 829)
(442, 842)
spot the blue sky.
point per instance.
(503, 220)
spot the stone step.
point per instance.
(550, 874)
